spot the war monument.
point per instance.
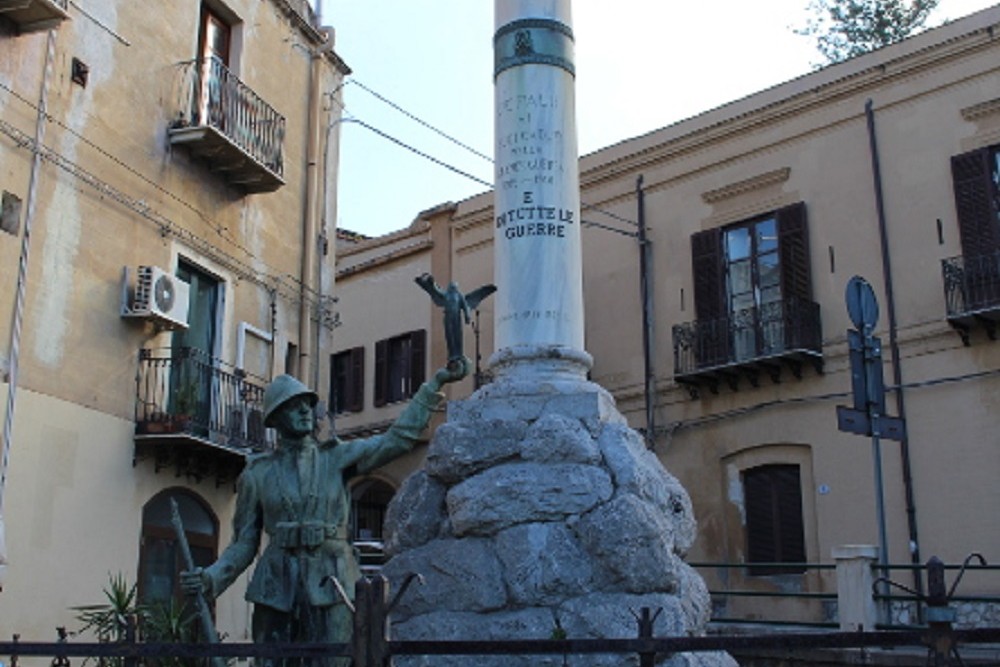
(539, 513)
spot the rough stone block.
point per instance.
(460, 451)
(516, 493)
(632, 540)
(416, 514)
(459, 575)
(559, 439)
(636, 470)
(543, 563)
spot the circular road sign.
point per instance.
(861, 304)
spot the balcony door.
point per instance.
(196, 349)
(753, 288)
(214, 42)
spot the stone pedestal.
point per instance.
(855, 602)
(540, 512)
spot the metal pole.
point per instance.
(647, 318)
(897, 371)
(883, 542)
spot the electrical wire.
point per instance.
(414, 118)
(403, 144)
(272, 280)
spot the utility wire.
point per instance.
(422, 154)
(585, 206)
(418, 120)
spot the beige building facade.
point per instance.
(754, 217)
(169, 187)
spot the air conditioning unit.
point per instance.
(160, 297)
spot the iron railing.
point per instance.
(212, 96)
(770, 330)
(185, 391)
(971, 284)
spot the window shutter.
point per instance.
(773, 505)
(707, 265)
(793, 245)
(711, 335)
(758, 505)
(418, 359)
(974, 203)
(381, 372)
(356, 381)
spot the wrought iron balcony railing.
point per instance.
(34, 15)
(749, 341)
(972, 292)
(223, 120)
(185, 396)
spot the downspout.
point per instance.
(308, 366)
(22, 277)
(897, 375)
(649, 380)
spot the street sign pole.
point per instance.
(867, 416)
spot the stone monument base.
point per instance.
(539, 514)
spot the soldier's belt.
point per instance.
(305, 534)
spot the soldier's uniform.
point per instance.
(298, 496)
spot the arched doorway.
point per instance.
(160, 558)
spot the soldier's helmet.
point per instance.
(281, 390)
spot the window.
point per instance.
(974, 279)
(750, 281)
(772, 496)
(347, 373)
(976, 177)
(160, 560)
(399, 366)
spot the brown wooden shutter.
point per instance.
(793, 245)
(974, 203)
(774, 525)
(711, 335)
(709, 279)
(418, 359)
(381, 372)
(356, 381)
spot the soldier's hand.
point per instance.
(453, 372)
(194, 581)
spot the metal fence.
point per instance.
(212, 96)
(185, 391)
(971, 284)
(770, 330)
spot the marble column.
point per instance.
(539, 306)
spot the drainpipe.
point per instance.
(308, 365)
(22, 277)
(897, 375)
(649, 380)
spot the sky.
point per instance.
(422, 81)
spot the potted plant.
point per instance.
(185, 404)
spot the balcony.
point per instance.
(747, 344)
(195, 415)
(34, 15)
(223, 122)
(972, 293)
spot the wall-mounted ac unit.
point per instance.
(159, 297)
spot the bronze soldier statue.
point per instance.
(298, 496)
